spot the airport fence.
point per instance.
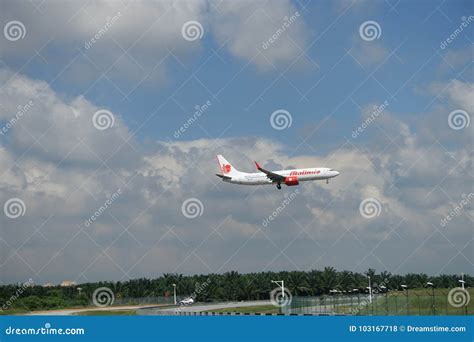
(391, 303)
(394, 303)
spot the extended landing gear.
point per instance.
(279, 186)
(327, 181)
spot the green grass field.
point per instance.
(13, 311)
(107, 313)
(418, 302)
(250, 309)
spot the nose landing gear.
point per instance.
(327, 181)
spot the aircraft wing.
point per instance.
(274, 177)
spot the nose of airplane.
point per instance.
(336, 173)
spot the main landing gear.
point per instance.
(327, 181)
(278, 186)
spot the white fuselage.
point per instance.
(307, 174)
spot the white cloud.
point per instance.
(461, 94)
(56, 128)
(246, 27)
(407, 177)
(367, 53)
(455, 60)
(131, 51)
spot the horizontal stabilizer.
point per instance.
(223, 177)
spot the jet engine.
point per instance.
(291, 180)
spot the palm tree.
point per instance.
(329, 279)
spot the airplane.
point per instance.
(263, 177)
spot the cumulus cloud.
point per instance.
(144, 232)
(267, 34)
(104, 38)
(455, 60)
(460, 94)
(368, 53)
(45, 124)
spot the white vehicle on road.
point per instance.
(186, 301)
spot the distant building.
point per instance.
(66, 283)
(48, 285)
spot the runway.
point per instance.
(199, 307)
(151, 309)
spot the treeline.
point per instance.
(230, 286)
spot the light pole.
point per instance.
(462, 285)
(432, 296)
(358, 296)
(174, 293)
(280, 283)
(370, 291)
(405, 288)
(462, 280)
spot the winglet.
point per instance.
(258, 166)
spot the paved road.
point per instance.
(151, 309)
(202, 307)
(68, 312)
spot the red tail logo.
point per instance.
(226, 168)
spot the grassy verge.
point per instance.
(250, 309)
(419, 302)
(396, 303)
(107, 313)
(13, 312)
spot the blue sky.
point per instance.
(150, 78)
(416, 29)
